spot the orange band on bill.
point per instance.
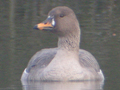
(43, 25)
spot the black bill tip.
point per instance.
(36, 27)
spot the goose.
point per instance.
(66, 62)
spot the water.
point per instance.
(99, 22)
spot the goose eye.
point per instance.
(61, 15)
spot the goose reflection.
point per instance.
(85, 85)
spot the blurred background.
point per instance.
(100, 35)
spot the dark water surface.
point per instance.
(100, 28)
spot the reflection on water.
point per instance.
(86, 85)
